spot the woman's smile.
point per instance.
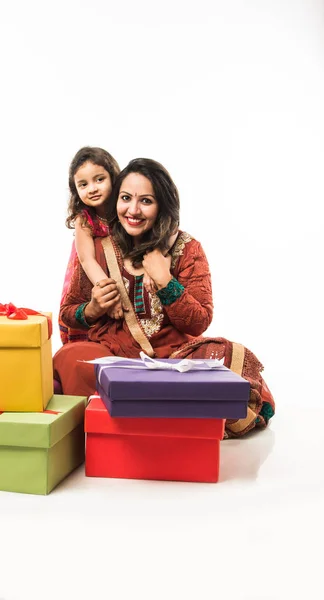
(134, 222)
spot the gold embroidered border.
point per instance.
(182, 240)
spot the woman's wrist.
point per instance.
(91, 316)
(80, 315)
(162, 283)
(171, 292)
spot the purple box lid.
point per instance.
(217, 393)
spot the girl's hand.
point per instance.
(117, 311)
(157, 268)
(104, 296)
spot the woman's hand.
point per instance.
(157, 268)
(104, 296)
(149, 284)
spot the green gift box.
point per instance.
(38, 450)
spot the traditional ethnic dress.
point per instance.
(98, 228)
(173, 320)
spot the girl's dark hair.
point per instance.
(167, 220)
(97, 156)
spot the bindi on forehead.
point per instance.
(136, 195)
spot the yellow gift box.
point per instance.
(26, 369)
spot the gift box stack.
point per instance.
(41, 435)
(160, 423)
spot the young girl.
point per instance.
(92, 174)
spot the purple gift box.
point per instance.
(215, 393)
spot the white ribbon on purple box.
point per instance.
(145, 362)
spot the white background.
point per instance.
(229, 96)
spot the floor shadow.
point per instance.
(242, 458)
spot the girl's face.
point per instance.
(93, 185)
(137, 207)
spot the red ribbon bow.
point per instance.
(21, 314)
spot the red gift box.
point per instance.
(148, 448)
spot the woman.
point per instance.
(143, 212)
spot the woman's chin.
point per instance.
(134, 232)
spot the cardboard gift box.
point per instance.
(134, 392)
(144, 448)
(37, 450)
(26, 382)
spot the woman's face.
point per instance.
(137, 207)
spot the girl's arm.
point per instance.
(86, 252)
(74, 310)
